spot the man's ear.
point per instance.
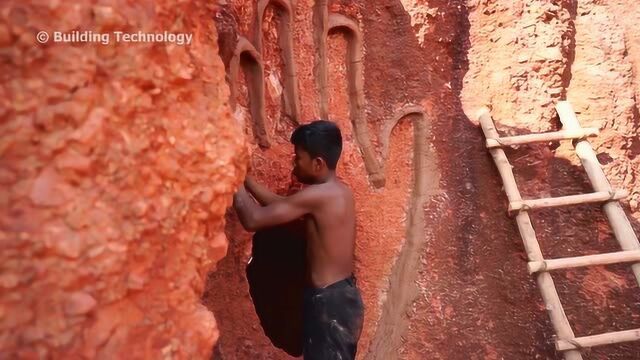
(318, 163)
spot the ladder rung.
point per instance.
(597, 340)
(588, 260)
(599, 196)
(542, 137)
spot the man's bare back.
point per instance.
(331, 228)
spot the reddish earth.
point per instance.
(117, 163)
(113, 204)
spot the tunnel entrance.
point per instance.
(277, 275)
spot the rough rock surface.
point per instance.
(117, 163)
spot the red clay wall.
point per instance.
(382, 211)
(117, 164)
(442, 269)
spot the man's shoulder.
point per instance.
(330, 191)
(312, 193)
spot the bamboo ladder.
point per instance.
(565, 340)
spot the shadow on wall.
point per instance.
(275, 278)
(276, 274)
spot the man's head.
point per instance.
(318, 146)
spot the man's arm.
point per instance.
(260, 192)
(255, 217)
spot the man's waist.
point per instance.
(340, 281)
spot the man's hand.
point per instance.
(239, 195)
(263, 195)
(247, 180)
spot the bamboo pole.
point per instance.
(545, 281)
(543, 137)
(598, 340)
(580, 261)
(599, 196)
(615, 214)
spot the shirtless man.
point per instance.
(333, 309)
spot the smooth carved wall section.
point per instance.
(351, 30)
(247, 59)
(402, 291)
(320, 29)
(285, 11)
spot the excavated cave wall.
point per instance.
(117, 164)
(441, 267)
(274, 49)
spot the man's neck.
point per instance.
(330, 176)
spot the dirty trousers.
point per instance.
(332, 321)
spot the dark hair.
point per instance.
(320, 138)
